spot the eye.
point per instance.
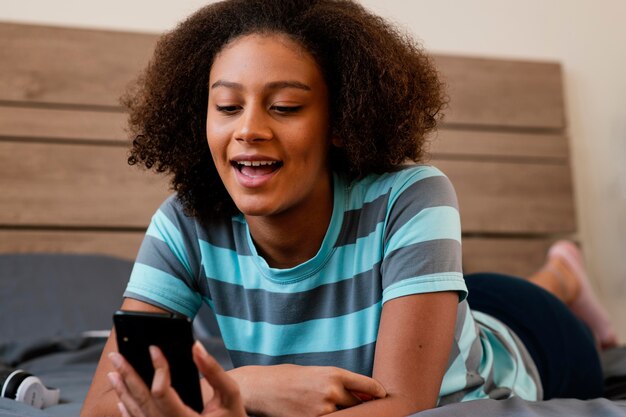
(286, 109)
(227, 109)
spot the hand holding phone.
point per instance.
(136, 331)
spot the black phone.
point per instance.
(136, 331)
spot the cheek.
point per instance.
(215, 126)
(217, 138)
(216, 148)
(218, 156)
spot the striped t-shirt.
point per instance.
(390, 235)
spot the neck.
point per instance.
(288, 239)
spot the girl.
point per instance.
(333, 268)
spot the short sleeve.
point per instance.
(422, 248)
(166, 269)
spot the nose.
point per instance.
(253, 126)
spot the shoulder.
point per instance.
(170, 218)
(171, 208)
(172, 222)
(419, 184)
(226, 232)
(175, 235)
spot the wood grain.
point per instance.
(519, 257)
(512, 198)
(121, 244)
(75, 185)
(550, 148)
(505, 93)
(66, 124)
(70, 66)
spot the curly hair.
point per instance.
(384, 93)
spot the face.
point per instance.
(267, 126)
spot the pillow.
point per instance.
(46, 297)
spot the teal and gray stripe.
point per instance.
(393, 235)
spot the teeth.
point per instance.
(256, 163)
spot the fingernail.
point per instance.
(200, 347)
(363, 396)
(112, 378)
(116, 359)
(154, 353)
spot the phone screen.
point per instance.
(136, 331)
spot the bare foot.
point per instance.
(585, 305)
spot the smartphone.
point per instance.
(136, 331)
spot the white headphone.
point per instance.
(26, 388)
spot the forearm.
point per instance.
(411, 364)
(245, 378)
(101, 400)
(288, 390)
(390, 406)
(102, 404)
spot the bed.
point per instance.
(72, 213)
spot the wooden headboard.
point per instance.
(65, 185)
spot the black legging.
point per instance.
(562, 347)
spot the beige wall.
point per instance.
(588, 38)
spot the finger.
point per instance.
(162, 378)
(127, 404)
(362, 396)
(221, 383)
(123, 410)
(134, 392)
(362, 384)
(346, 399)
(207, 390)
(164, 394)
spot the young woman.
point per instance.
(333, 268)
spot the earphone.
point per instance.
(26, 388)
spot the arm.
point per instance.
(101, 400)
(306, 391)
(414, 343)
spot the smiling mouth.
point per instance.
(254, 169)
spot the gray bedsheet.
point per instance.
(68, 365)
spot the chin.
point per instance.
(251, 209)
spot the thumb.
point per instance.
(223, 385)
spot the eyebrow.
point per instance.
(275, 85)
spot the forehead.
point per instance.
(264, 56)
